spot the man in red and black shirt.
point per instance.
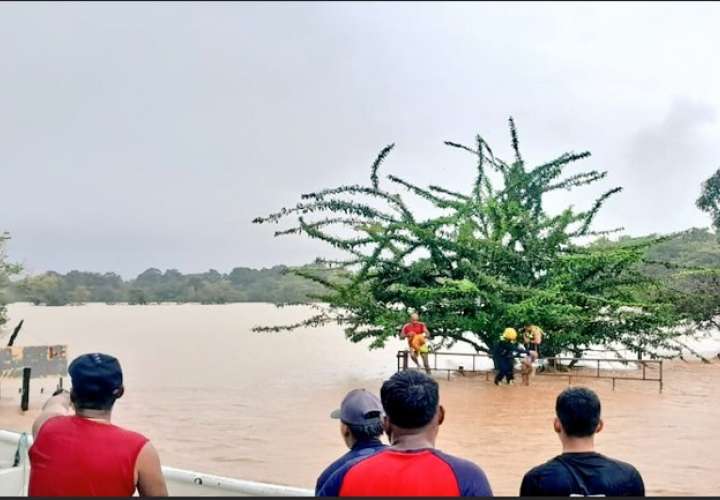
(411, 466)
(417, 335)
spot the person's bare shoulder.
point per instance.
(150, 479)
(57, 406)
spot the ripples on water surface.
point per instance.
(215, 397)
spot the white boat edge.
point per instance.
(180, 482)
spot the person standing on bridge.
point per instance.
(361, 425)
(417, 335)
(81, 453)
(580, 470)
(412, 465)
(533, 337)
(504, 356)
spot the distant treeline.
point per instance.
(693, 248)
(242, 284)
(687, 262)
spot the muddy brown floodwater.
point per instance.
(217, 398)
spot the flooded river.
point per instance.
(217, 398)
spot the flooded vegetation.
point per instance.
(215, 397)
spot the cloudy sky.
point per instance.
(135, 135)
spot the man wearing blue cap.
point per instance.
(361, 425)
(81, 453)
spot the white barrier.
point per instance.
(12, 482)
(180, 482)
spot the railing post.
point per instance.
(598, 368)
(402, 360)
(25, 399)
(661, 375)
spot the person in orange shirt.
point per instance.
(417, 335)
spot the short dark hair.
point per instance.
(366, 432)
(102, 402)
(578, 409)
(410, 399)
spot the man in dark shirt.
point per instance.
(580, 471)
(412, 466)
(361, 425)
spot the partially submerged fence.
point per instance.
(644, 373)
(403, 358)
(654, 366)
(32, 361)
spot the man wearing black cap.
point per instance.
(361, 425)
(81, 453)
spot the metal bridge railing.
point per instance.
(652, 365)
(644, 364)
(180, 482)
(403, 358)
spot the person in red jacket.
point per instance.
(80, 452)
(417, 335)
(411, 466)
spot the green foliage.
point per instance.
(709, 200)
(242, 284)
(137, 297)
(488, 259)
(6, 271)
(43, 289)
(80, 295)
(688, 263)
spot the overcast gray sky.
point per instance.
(135, 135)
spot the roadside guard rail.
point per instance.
(15, 469)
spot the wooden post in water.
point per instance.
(25, 398)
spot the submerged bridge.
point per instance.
(641, 370)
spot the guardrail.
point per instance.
(181, 482)
(597, 373)
(404, 356)
(403, 364)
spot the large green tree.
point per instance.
(6, 271)
(709, 200)
(488, 258)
